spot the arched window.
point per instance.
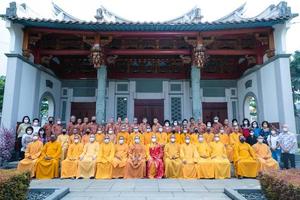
(46, 107)
(250, 108)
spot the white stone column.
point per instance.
(196, 100)
(280, 31)
(100, 98)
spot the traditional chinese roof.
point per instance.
(191, 21)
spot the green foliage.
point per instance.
(295, 76)
(2, 84)
(44, 108)
(14, 184)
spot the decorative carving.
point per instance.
(200, 57)
(270, 53)
(97, 56)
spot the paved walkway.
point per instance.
(146, 189)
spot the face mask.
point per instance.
(265, 126)
(64, 132)
(242, 140)
(121, 141)
(234, 123)
(216, 120)
(160, 129)
(208, 125)
(110, 132)
(175, 124)
(221, 131)
(217, 139)
(167, 124)
(135, 130)
(144, 121)
(76, 140)
(35, 137)
(254, 125)
(273, 132)
(184, 123)
(42, 132)
(153, 139)
(260, 140)
(285, 129)
(29, 132)
(35, 124)
(200, 139)
(52, 139)
(148, 129)
(251, 133)
(187, 141)
(123, 130)
(26, 121)
(51, 121)
(106, 141)
(59, 122)
(137, 141)
(93, 120)
(185, 131)
(245, 123)
(92, 139)
(172, 140)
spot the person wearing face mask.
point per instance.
(72, 124)
(155, 125)
(251, 139)
(167, 127)
(57, 127)
(133, 124)
(48, 127)
(245, 160)
(63, 138)
(224, 138)
(201, 126)
(73, 134)
(265, 130)
(86, 137)
(136, 162)
(106, 154)
(100, 135)
(234, 139)
(194, 136)
(147, 135)
(26, 139)
(216, 124)
(204, 166)
(42, 135)
(48, 163)
(21, 131)
(87, 160)
(219, 158)
(143, 125)
(112, 136)
(189, 157)
(135, 133)
(36, 125)
(176, 126)
(288, 145)
(162, 136)
(183, 134)
(120, 158)
(93, 125)
(227, 127)
(32, 153)
(255, 128)
(263, 153)
(155, 165)
(234, 123)
(274, 144)
(209, 134)
(246, 128)
(123, 133)
(70, 164)
(172, 160)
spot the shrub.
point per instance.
(281, 185)
(7, 143)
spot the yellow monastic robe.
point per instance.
(182, 137)
(104, 161)
(245, 160)
(136, 162)
(100, 138)
(119, 160)
(133, 135)
(64, 141)
(177, 137)
(220, 160)
(85, 139)
(32, 153)
(194, 138)
(234, 138)
(147, 137)
(189, 154)
(172, 160)
(264, 156)
(49, 168)
(209, 137)
(70, 164)
(125, 135)
(86, 166)
(204, 167)
(162, 138)
(71, 138)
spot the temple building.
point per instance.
(233, 67)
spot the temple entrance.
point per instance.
(149, 108)
(81, 110)
(210, 110)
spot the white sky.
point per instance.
(149, 10)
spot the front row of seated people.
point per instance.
(105, 160)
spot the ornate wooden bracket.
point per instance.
(97, 53)
(199, 51)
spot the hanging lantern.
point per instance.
(200, 57)
(97, 56)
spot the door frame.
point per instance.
(160, 102)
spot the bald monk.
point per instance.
(189, 157)
(48, 163)
(209, 134)
(172, 158)
(32, 153)
(63, 138)
(57, 127)
(72, 135)
(72, 124)
(204, 165)
(244, 159)
(264, 156)
(224, 139)
(134, 134)
(112, 135)
(120, 158)
(162, 136)
(86, 137)
(87, 160)
(155, 165)
(136, 163)
(104, 159)
(123, 133)
(219, 159)
(70, 164)
(100, 135)
(147, 135)
(233, 139)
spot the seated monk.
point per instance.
(134, 134)
(172, 158)
(147, 135)
(63, 138)
(32, 153)
(120, 158)
(104, 159)
(70, 164)
(48, 163)
(219, 159)
(123, 133)
(87, 160)
(244, 158)
(136, 163)
(155, 165)
(204, 167)
(264, 156)
(86, 136)
(100, 135)
(189, 157)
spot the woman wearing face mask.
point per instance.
(42, 135)
(167, 127)
(21, 131)
(176, 126)
(251, 139)
(26, 139)
(155, 165)
(246, 128)
(234, 123)
(273, 142)
(265, 130)
(255, 128)
(36, 125)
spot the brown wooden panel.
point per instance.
(210, 110)
(149, 108)
(81, 110)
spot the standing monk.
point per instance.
(136, 163)
(233, 140)
(155, 165)
(189, 157)
(48, 163)
(93, 126)
(57, 127)
(70, 164)
(32, 153)
(216, 125)
(155, 125)
(63, 138)
(120, 158)
(72, 124)
(48, 127)
(172, 158)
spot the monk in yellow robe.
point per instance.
(48, 163)
(264, 156)
(63, 138)
(184, 133)
(204, 167)
(134, 134)
(86, 137)
(32, 153)
(87, 160)
(189, 157)
(194, 136)
(177, 137)
(147, 135)
(209, 135)
(162, 137)
(172, 158)
(245, 162)
(100, 136)
(123, 133)
(72, 135)
(120, 158)
(105, 158)
(219, 159)
(136, 163)
(70, 164)
(233, 139)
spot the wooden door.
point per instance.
(149, 108)
(210, 110)
(81, 110)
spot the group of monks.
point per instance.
(123, 150)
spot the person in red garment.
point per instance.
(155, 164)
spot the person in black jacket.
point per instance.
(252, 139)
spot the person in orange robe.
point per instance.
(70, 164)
(72, 124)
(201, 126)
(120, 158)
(86, 137)
(209, 134)
(48, 163)
(162, 136)
(63, 138)
(57, 127)
(84, 125)
(136, 163)
(147, 135)
(143, 125)
(123, 133)
(155, 165)
(172, 160)
(72, 135)
(233, 139)
(134, 134)
(155, 125)
(32, 153)
(100, 135)
(216, 125)
(93, 126)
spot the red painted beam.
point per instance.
(231, 52)
(148, 52)
(64, 52)
(115, 75)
